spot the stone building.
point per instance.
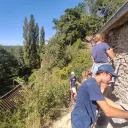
(116, 30)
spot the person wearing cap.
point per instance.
(101, 53)
(90, 96)
(73, 86)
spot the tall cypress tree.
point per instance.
(37, 33)
(26, 42)
(31, 39)
(37, 45)
(42, 36)
(42, 42)
(25, 29)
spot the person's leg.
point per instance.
(71, 94)
(74, 93)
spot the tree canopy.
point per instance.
(32, 43)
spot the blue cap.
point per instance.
(108, 68)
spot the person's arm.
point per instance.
(78, 83)
(92, 59)
(111, 111)
(111, 53)
(113, 104)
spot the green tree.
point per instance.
(54, 54)
(8, 69)
(25, 30)
(31, 43)
(71, 25)
(42, 42)
(37, 48)
(17, 52)
(26, 41)
(103, 8)
(42, 37)
(19, 55)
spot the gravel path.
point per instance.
(102, 122)
(64, 121)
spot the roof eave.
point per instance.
(118, 19)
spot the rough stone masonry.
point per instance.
(118, 40)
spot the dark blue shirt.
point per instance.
(73, 81)
(84, 112)
(99, 54)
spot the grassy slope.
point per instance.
(47, 93)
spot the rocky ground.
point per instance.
(106, 122)
(102, 122)
(65, 120)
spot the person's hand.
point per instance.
(124, 106)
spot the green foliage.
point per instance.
(11, 63)
(25, 31)
(78, 45)
(53, 55)
(61, 74)
(31, 43)
(42, 37)
(17, 52)
(48, 89)
(41, 102)
(71, 25)
(88, 17)
(42, 43)
(47, 93)
(81, 62)
(103, 9)
(55, 97)
(68, 54)
(8, 64)
(9, 120)
(32, 76)
(94, 24)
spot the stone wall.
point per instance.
(118, 39)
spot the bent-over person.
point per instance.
(90, 96)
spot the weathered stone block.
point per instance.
(120, 44)
(126, 59)
(121, 72)
(125, 84)
(121, 67)
(126, 71)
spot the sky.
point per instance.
(13, 12)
